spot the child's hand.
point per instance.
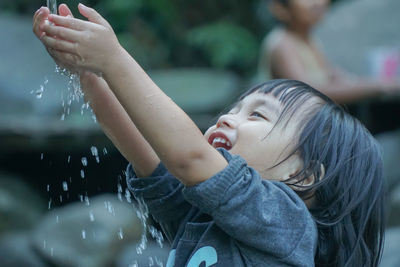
(85, 45)
(40, 19)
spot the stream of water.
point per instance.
(73, 93)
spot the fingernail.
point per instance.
(82, 5)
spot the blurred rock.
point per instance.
(356, 28)
(394, 207)
(390, 142)
(391, 256)
(16, 250)
(20, 206)
(202, 93)
(87, 235)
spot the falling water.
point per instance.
(84, 161)
(68, 97)
(95, 153)
(65, 186)
(52, 5)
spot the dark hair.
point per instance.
(348, 205)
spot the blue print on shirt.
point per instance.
(205, 254)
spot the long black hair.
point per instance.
(346, 163)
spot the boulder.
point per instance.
(88, 233)
(391, 256)
(20, 206)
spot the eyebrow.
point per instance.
(264, 103)
(268, 105)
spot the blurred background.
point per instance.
(63, 198)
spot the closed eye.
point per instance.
(258, 114)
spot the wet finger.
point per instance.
(62, 32)
(58, 44)
(69, 22)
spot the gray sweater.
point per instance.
(234, 218)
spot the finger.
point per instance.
(69, 22)
(61, 32)
(39, 19)
(64, 11)
(91, 15)
(58, 44)
(39, 11)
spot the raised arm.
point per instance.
(92, 45)
(117, 125)
(110, 114)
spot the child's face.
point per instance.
(247, 130)
(306, 12)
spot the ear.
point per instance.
(310, 180)
(279, 11)
(296, 165)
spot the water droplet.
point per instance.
(81, 198)
(62, 117)
(83, 234)
(41, 156)
(82, 174)
(69, 158)
(91, 216)
(87, 203)
(84, 161)
(151, 261)
(39, 92)
(49, 205)
(105, 151)
(57, 219)
(61, 198)
(44, 244)
(159, 262)
(128, 195)
(119, 192)
(65, 186)
(94, 151)
(51, 252)
(120, 234)
(48, 188)
(157, 235)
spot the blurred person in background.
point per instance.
(290, 51)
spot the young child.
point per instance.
(285, 178)
(289, 51)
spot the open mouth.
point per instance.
(219, 140)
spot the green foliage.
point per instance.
(225, 43)
(179, 33)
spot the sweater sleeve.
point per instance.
(261, 214)
(162, 194)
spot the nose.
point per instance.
(226, 120)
